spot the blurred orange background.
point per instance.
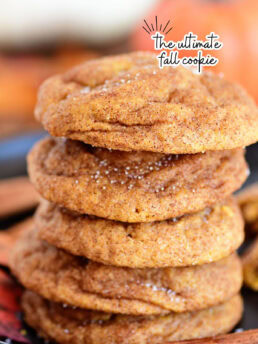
(29, 54)
(235, 21)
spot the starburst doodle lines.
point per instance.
(149, 28)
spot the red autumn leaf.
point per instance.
(10, 291)
(10, 325)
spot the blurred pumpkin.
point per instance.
(236, 22)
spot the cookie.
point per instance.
(127, 102)
(248, 201)
(203, 237)
(61, 277)
(132, 186)
(250, 265)
(67, 325)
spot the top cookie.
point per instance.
(127, 102)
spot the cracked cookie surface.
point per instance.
(68, 325)
(61, 277)
(203, 237)
(132, 186)
(126, 102)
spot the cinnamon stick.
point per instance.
(17, 195)
(245, 337)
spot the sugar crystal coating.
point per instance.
(132, 186)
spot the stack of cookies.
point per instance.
(135, 239)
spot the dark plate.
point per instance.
(13, 163)
(13, 153)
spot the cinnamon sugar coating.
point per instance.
(77, 326)
(126, 102)
(203, 237)
(61, 277)
(132, 186)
